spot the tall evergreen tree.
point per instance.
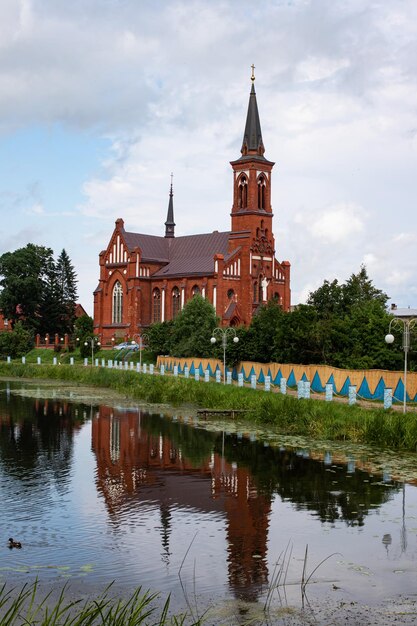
(51, 306)
(67, 281)
(359, 289)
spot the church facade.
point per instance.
(148, 278)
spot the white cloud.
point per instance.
(405, 238)
(168, 83)
(337, 223)
(36, 209)
(318, 68)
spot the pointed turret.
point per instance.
(170, 224)
(252, 143)
(252, 139)
(252, 178)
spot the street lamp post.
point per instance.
(405, 325)
(92, 341)
(224, 333)
(140, 348)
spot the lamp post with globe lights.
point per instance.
(93, 341)
(404, 324)
(224, 333)
(140, 348)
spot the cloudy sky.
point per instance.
(102, 99)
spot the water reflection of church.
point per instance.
(135, 460)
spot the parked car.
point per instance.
(132, 345)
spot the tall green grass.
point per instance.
(312, 418)
(47, 356)
(25, 607)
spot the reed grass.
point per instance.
(25, 606)
(311, 418)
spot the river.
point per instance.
(216, 513)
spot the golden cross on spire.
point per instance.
(253, 73)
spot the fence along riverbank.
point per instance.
(366, 386)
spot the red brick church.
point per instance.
(149, 278)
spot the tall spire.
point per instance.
(170, 224)
(252, 139)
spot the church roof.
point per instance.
(404, 312)
(153, 247)
(191, 254)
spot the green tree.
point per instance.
(365, 346)
(23, 276)
(15, 343)
(351, 324)
(359, 289)
(193, 329)
(37, 291)
(260, 338)
(84, 326)
(158, 338)
(84, 332)
(67, 280)
(327, 300)
(50, 305)
(296, 337)
(235, 352)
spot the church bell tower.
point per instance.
(251, 210)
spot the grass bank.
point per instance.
(310, 418)
(48, 355)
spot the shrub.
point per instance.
(16, 343)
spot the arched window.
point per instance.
(156, 305)
(195, 291)
(261, 193)
(255, 292)
(117, 312)
(243, 193)
(230, 294)
(176, 302)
